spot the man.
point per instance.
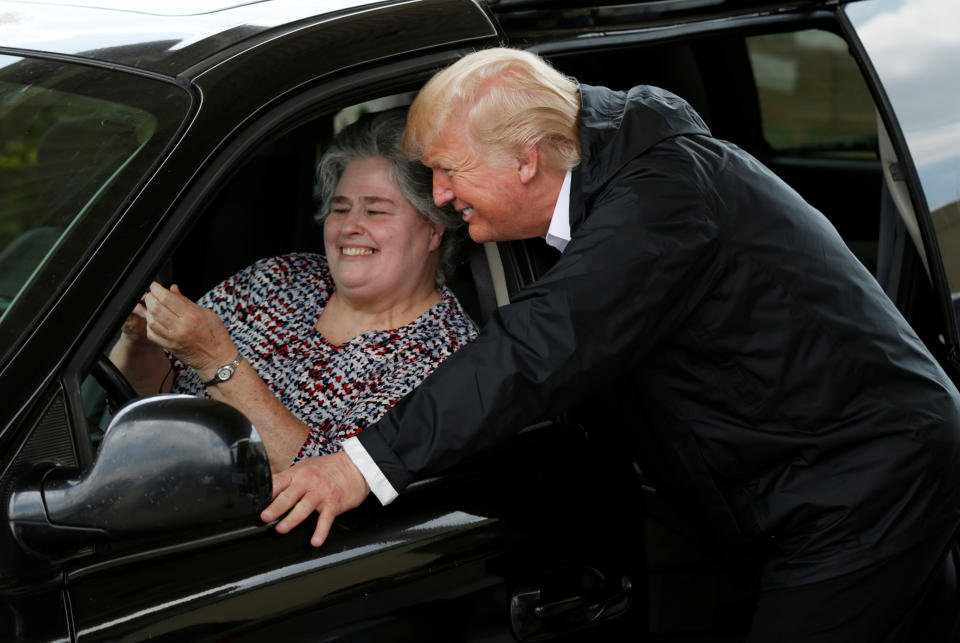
(786, 405)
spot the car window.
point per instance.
(813, 99)
(266, 206)
(68, 136)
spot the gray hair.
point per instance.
(378, 135)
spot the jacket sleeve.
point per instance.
(633, 270)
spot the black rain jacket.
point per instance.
(772, 389)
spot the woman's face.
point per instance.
(380, 250)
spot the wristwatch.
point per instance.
(225, 372)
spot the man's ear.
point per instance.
(528, 162)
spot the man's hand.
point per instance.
(329, 484)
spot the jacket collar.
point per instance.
(615, 128)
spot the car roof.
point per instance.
(533, 21)
(166, 37)
(165, 8)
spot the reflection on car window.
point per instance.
(74, 141)
(812, 96)
(57, 152)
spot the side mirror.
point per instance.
(165, 462)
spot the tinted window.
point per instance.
(74, 141)
(812, 96)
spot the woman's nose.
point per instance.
(442, 194)
(352, 221)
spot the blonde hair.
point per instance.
(507, 98)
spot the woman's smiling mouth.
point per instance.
(357, 252)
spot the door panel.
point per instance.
(442, 561)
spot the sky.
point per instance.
(915, 47)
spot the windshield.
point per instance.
(74, 142)
(915, 47)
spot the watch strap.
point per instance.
(224, 372)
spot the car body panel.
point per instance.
(388, 564)
(529, 22)
(169, 44)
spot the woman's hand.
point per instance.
(329, 485)
(194, 334)
(134, 329)
(140, 360)
(198, 337)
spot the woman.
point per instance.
(311, 348)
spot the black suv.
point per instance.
(155, 143)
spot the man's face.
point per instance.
(487, 191)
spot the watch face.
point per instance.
(224, 372)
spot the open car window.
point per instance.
(266, 206)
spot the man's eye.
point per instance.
(376, 211)
(339, 210)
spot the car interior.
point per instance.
(833, 160)
(795, 99)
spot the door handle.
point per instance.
(567, 600)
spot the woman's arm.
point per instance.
(142, 362)
(198, 337)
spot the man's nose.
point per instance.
(442, 194)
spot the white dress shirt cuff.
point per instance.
(378, 482)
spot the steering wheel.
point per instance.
(112, 381)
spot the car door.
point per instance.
(915, 66)
(481, 553)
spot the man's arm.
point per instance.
(632, 273)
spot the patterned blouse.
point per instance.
(271, 310)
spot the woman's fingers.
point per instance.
(191, 332)
(162, 318)
(135, 326)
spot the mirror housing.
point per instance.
(166, 462)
